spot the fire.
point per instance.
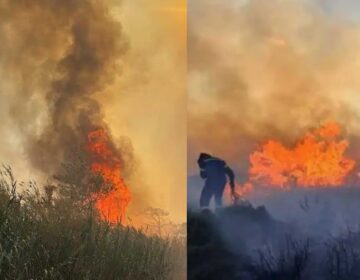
(244, 190)
(317, 160)
(111, 205)
(240, 190)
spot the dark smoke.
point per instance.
(60, 55)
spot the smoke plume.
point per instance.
(57, 56)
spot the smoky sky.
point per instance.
(268, 69)
(56, 56)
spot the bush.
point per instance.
(42, 237)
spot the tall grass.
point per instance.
(42, 237)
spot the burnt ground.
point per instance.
(220, 244)
(246, 243)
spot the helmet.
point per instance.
(202, 158)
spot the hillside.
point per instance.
(243, 242)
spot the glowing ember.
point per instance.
(244, 189)
(241, 191)
(111, 205)
(317, 160)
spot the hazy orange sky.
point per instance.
(148, 103)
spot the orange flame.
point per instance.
(111, 205)
(241, 191)
(317, 160)
(244, 190)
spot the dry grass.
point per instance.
(42, 237)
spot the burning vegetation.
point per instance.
(316, 160)
(54, 237)
(111, 204)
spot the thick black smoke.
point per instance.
(58, 55)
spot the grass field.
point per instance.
(46, 238)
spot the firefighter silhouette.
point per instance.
(215, 172)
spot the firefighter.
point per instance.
(214, 171)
